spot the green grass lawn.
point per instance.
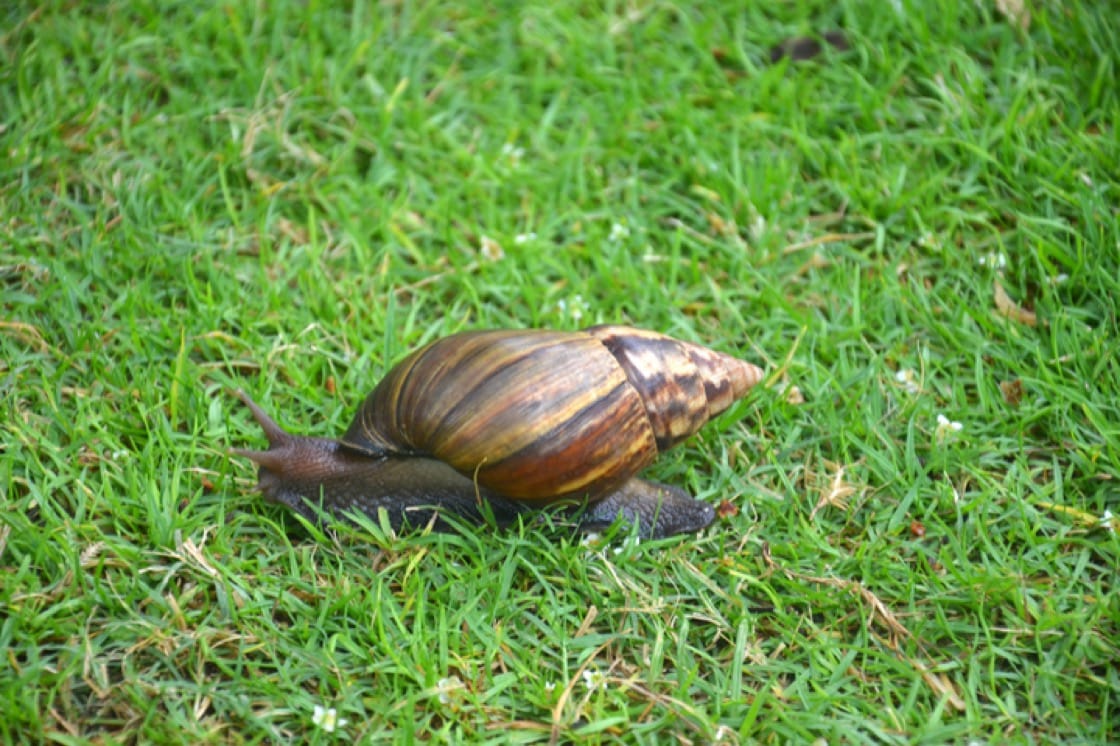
(920, 234)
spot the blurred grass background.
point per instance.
(919, 234)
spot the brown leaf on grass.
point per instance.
(727, 509)
(721, 227)
(1011, 309)
(1015, 11)
(767, 557)
(1012, 391)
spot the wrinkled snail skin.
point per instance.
(498, 422)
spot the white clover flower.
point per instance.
(631, 542)
(594, 680)
(577, 306)
(619, 232)
(929, 241)
(909, 380)
(946, 428)
(993, 259)
(573, 307)
(450, 689)
(327, 718)
(512, 153)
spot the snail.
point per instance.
(498, 422)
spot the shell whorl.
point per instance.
(546, 415)
(683, 384)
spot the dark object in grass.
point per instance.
(800, 48)
(493, 423)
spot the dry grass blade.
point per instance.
(836, 491)
(28, 333)
(827, 238)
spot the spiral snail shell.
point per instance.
(517, 419)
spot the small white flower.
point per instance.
(619, 232)
(946, 428)
(758, 227)
(590, 539)
(909, 380)
(1059, 279)
(630, 543)
(577, 307)
(550, 686)
(929, 241)
(119, 455)
(1107, 522)
(524, 238)
(594, 680)
(512, 153)
(993, 259)
(327, 718)
(573, 307)
(450, 689)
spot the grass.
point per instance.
(287, 199)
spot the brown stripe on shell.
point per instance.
(494, 401)
(375, 429)
(404, 412)
(683, 384)
(588, 452)
(463, 381)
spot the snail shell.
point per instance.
(521, 419)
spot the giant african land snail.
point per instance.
(518, 419)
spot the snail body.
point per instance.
(504, 421)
